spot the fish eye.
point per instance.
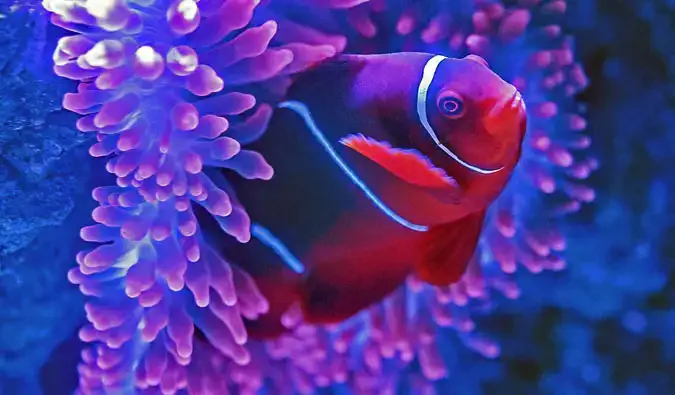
(451, 105)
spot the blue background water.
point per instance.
(604, 326)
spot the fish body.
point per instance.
(384, 166)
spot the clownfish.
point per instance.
(385, 166)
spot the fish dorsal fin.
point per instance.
(445, 250)
(407, 164)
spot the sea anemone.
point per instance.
(160, 86)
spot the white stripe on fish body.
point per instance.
(302, 110)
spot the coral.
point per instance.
(629, 360)
(162, 88)
(615, 332)
(40, 183)
(33, 136)
(40, 309)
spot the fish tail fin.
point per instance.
(447, 249)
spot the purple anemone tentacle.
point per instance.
(159, 88)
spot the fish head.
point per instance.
(470, 115)
(456, 150)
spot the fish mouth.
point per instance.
(506, 115)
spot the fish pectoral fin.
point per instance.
(445, 250)
(446, 195)
(407, 164)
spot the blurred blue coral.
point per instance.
(42, 179)
(613, 330)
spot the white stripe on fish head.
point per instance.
(428, 74)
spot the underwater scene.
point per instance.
(337, 197)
